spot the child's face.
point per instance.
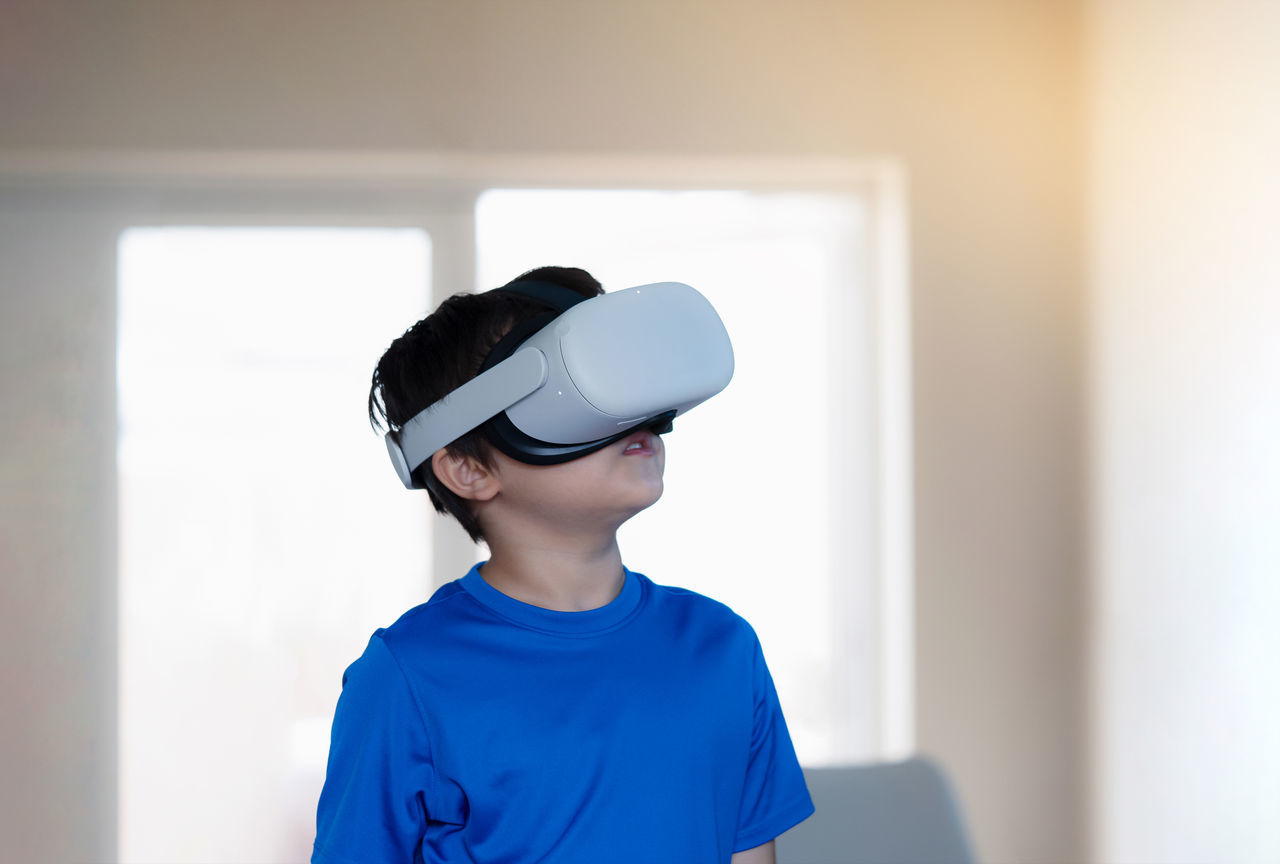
(600, 490)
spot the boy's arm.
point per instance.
(379, 774)
(759, 855)
(774, 794)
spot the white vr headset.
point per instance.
(598, 370)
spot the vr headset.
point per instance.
(586, 374)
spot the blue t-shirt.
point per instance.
(481, 729)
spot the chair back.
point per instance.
(896, 813)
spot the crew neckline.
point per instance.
(613, 614)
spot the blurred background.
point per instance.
(998, 479)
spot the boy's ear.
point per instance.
(464, 476)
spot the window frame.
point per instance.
(437, 192)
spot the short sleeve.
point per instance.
(774, 796)
(372, 806)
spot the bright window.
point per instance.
(262, 535)
(767, 497)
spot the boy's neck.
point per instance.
(564, 578)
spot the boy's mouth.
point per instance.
(639, 444)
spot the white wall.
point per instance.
(979, 100)
(1186, 430)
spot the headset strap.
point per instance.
(504, 379)
(464, 409)
(556, 296)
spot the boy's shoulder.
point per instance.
(689, 598)
(427, 616)
(685, 606)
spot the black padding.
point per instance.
(504, 435)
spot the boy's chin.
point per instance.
(639, 502)
(648, 502)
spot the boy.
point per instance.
(550, 706)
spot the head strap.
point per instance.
(556, 296)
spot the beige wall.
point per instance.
(981, 102)
(1186, 423)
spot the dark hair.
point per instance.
(446, 350)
